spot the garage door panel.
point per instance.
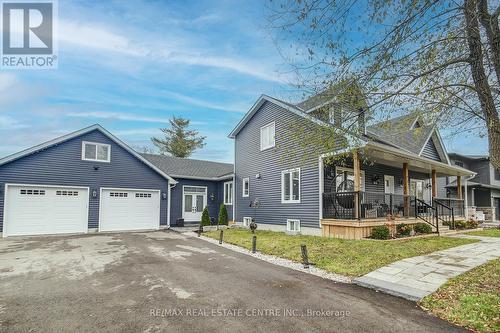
(129, 210)
(32, 210)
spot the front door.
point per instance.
(388, 184)
(195, 200)
(417, 188)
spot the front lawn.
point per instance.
(486, 232)
(347, 257)
(471, 300)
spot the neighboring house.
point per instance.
(90, 180)
(301, 190)
(483, 190)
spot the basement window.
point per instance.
(293, 225)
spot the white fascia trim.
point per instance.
(231, 176)
(75, 134)
(426, 140)
(442, 149)
(334, 99)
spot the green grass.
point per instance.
(471, 300)
(486, 232)
(347, 257)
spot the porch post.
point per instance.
(406, 187)
(357, 182)
(433, 184)
(459, 187)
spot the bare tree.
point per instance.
(440, 58)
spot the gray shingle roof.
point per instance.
(184, 167)
(399, 132)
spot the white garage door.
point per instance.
(129, 210)
(38, 210)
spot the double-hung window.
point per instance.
(246, 187)
(290, 186)
(97, 152)
(228, 193)
(267, 136)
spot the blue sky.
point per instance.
(131, 65)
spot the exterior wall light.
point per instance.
(164, 195)
(258, 176)
(94, 194)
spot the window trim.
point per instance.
(246, 179)
(273, 124)
(290, 171)
(227, 203)
(297, 223)
(247, 219)
(97, 144)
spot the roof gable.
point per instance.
(287, 106)
(76, 134)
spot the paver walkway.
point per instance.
(417, 277)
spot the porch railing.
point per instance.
(366, 205)
(445, 214)
(427, 213)
(458, 205)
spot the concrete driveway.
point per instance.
(164, 281)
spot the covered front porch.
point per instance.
(378, 184)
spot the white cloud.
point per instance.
(102, 38)
(117, 116)
(7, 122)
(7, 80)
(205, 104)
(123, 116)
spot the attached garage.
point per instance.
(129, 209)
(39, 210)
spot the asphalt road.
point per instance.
(167, 282)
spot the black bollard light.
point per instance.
(305, 259)
(254, 244)
(220, 236)
(200, 230)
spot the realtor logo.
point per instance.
(28, 34)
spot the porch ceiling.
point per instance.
(387, 155)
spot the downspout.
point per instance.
(170, 187)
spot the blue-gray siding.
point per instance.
(430, 151)
(249, 161)
(62, 165)
(213, 187)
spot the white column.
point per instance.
(465, 199)
(321, 188)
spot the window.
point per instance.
(143, 195)
(293, 225)
(67, 193)
(32, 192)
(98, 152)
(118, 194)
(344, 182)
(459, 163)
(247, 221)
(246, 187)
(497, 174)
(290, 186)
(228, 193)
(267, 136)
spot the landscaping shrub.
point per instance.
(422, 228)
(472, 224)
(403, 229)
(205, 217)
(460, 224)
(223, 215)
(381, 232)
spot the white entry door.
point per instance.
(194, 201)
(38, 210)
(127, 209)
(388, 184)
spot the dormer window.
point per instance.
(97, 152)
